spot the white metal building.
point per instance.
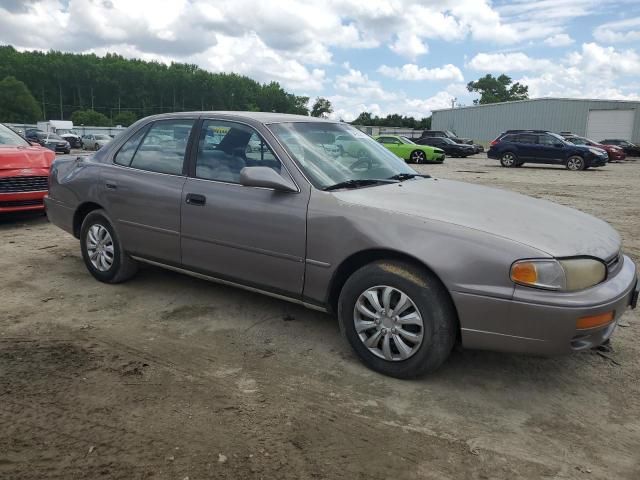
(595, 119)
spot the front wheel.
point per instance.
(102, 251)
(398, 318)
(575, 163)
(417, 156)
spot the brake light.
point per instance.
(495, 142)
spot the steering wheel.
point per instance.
(362, 162)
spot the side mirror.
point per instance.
(265, 177)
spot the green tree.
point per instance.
(17, 105)
(90, 117)
(321, 107)
(125, 118)
(500, 89)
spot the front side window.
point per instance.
(547, 140)
(225, 148)
(315, 148)
(162, 149)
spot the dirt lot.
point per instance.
(169, 377)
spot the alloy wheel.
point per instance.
(388, 323)
(508, 160)
(100, 248)
(417, 156)
(575, 163)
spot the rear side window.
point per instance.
(162, 149)
(128, 150)
(526, 138)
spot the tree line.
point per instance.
(64, 83)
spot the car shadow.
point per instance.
(28, 218)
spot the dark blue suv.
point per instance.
(516, 147)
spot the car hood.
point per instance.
(12, 158)
(551, 228)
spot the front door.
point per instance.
(551, 148)
(143, 189)
(254, 236)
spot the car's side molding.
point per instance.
(231, 284)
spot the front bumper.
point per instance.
(22, 201)
(544, 322)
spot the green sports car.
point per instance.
(409, 151)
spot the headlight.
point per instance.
(596, 151)
(568, 275)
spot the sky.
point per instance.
(381, 56)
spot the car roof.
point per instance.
(263, 117)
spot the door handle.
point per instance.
(111, 186)
(195, 199)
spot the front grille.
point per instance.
(24, 184)
(21, 203)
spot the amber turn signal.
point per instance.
(593, 321)
(524, 272)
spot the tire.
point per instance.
(427, 297)
(122, 266)
(417, 156)
(96, 147)
(508, 160)
(575, 163)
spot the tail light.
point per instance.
(495, 142)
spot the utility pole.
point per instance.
(60, 92)
(44, 109)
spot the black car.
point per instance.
(48, 140)
(516, 147)
(631, 149)
(451, 148)
(446, 134)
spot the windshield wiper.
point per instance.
(357, 183)
(407, 176)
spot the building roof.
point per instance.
(537, 100)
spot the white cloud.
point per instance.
(508, 62)
(559, 40)
(412, 71)
(627, 30)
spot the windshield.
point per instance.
(451, 133)
(406, 140)
(555, 135)
(102, 137)
(53, 136)
(448, 140)
(9, 137)
(327, 161)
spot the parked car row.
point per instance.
(411, 151)
(48, 140)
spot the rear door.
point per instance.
(249, 235)
(526, 147)
(143, 189)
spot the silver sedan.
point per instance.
(408, 263)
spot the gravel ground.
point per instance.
(169, 377)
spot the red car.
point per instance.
(24, 173)
(615, 153)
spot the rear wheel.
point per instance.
(575, 163)
(102, 251)
(417, 156)
(508, 160)
(398, 318)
